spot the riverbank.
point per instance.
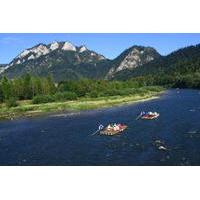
(27, 109)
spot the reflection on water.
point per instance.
(65, 139)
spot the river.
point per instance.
(65, 139)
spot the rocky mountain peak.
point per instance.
(132, 58)
(136, 57)
(82, 49)
(67, 61)
(68, 47)
(42, 59)
(36, 51)
(41, 50)
(55, 45)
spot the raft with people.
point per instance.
(148, 115)
(113, 129)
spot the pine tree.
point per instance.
(6, 88)
(51, 84)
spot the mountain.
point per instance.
(2, 67)
(66, 61)
(132, 58)
(183, 61)
(61, 59)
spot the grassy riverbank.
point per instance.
(27, 108)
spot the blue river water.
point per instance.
(65, 139)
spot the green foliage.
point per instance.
(44, 90)
(26, 87)
(43, 99)
(93, 94)
(11, 102)
(103, 88)
(64, 96)
(166, 70)
(1, 95)
(6, 87)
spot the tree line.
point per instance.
(175, 80)
(25, 87)
(44, 89)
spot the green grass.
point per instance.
(26, 108)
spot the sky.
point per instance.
(107, 44)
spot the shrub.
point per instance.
(64, 96)
(111, 92)
(93, 94)
(43, 99)
(11, 102)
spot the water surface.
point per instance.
(66, 139)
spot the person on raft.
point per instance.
(114, 127)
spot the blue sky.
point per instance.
(108, 44)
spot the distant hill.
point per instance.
(183, 61)
(61, 59)
(66, 61)
(131, 59)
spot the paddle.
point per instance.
(140, 115)
(100, 128)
